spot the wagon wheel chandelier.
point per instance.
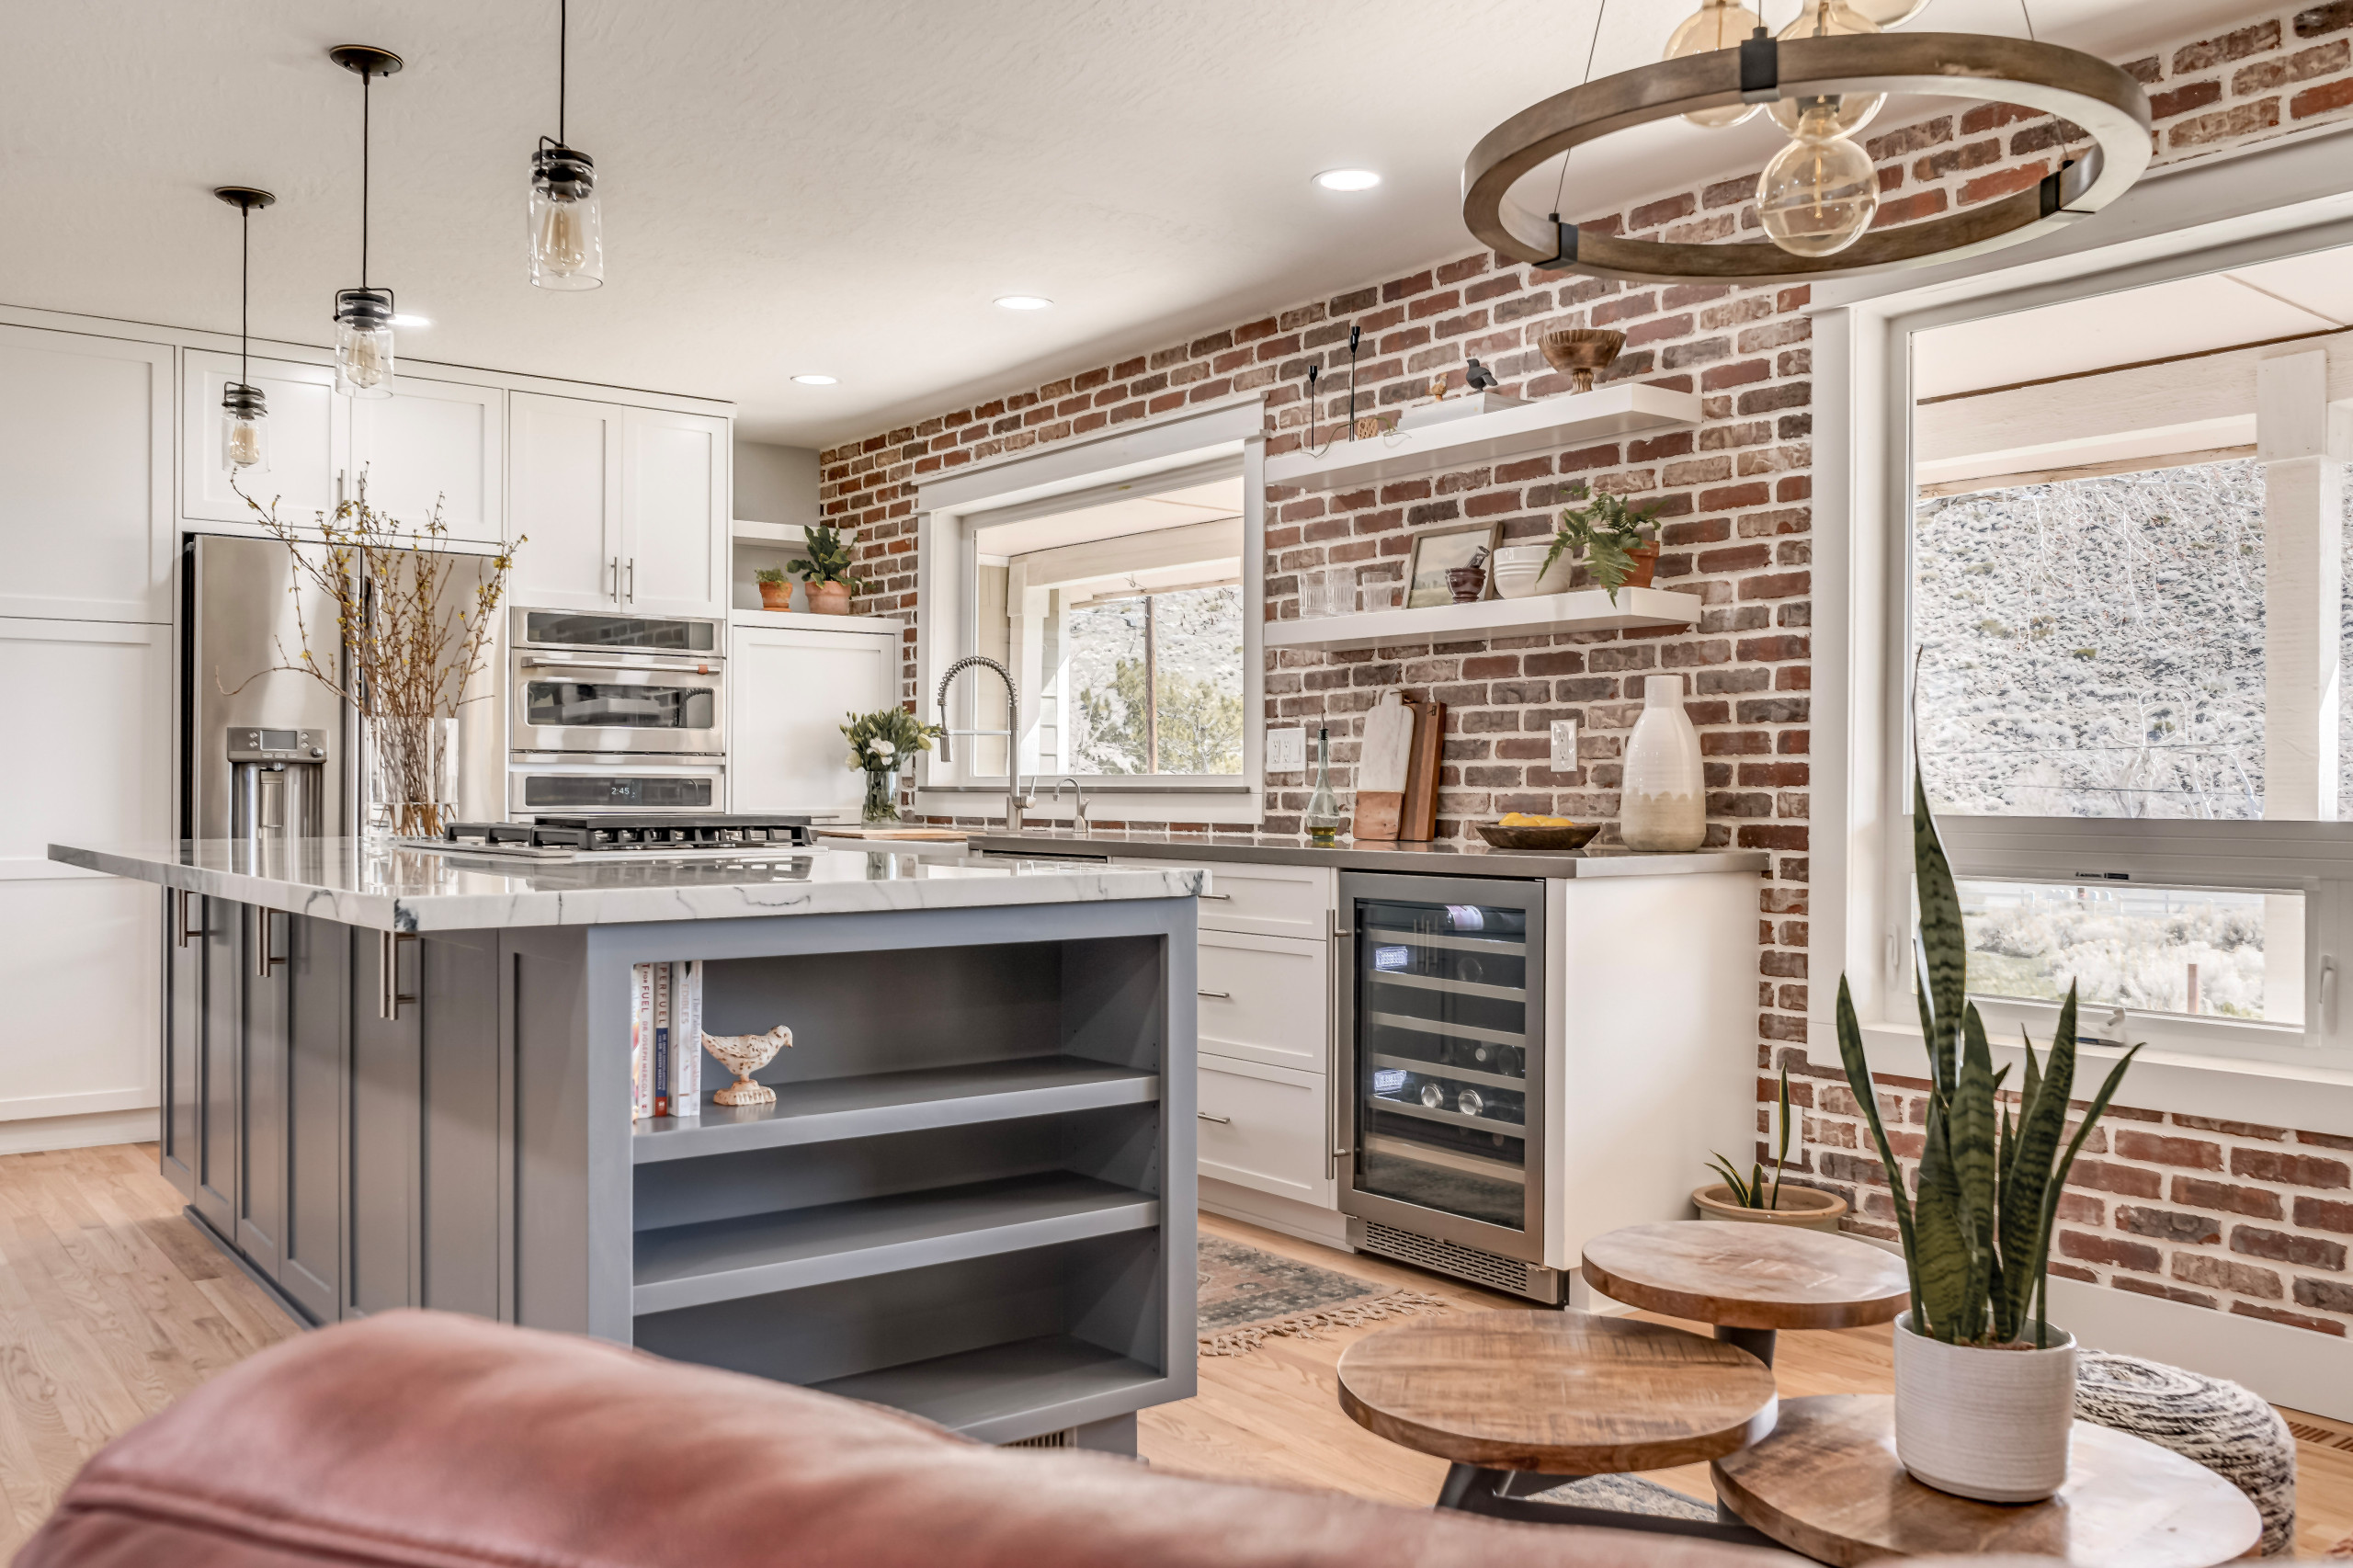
(1818, 195)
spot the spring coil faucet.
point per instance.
(1014, 800)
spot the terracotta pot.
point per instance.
(776, 596)
(1645, 564)
(1990, 1423)
(829, 598)
(1802, 1208)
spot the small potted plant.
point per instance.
(825, 568)
(879, 745)
(775, 592)
(1984, 1385)
(1752, 1200)
(1619, 544)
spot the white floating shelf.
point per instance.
(1630, 408)
(1587, 609)
(801, 621)
(769, 533)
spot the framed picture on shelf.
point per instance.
(1438, 551)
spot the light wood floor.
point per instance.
(111, 1306)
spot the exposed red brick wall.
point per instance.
(1735, 496)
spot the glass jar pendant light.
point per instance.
(567, 227)
(244, 428)
(363, 316)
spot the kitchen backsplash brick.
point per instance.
(1735, 498)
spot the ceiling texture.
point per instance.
(796, 189)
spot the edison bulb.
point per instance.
(1718, 24)
(566, 224)
(244, 443)
(1820, 192)
(363, 359)
(1828, 18)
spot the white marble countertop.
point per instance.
(388, 889)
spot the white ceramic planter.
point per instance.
(1662, 799)
(1992, 1425)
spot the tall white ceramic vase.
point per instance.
(1663, 800)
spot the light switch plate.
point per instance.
(1564, 745)
(1287, 751)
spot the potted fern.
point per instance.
(1984, 1385)
(825, 570)
(1618, 543)
(1751, 1199)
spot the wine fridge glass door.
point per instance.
(1447, 1036)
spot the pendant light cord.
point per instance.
(562, 62)
(367, 80)
(1592, 49)
(2029, 14)
(244, 287)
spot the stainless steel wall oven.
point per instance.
(586, 684)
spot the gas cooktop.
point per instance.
(665, 836)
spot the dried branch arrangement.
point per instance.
(409, 638)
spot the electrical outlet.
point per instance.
(1287, 751)
(1564, 745)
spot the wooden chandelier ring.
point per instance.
(2101, 98)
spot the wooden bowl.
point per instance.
(1582, 352)
(1576, 835)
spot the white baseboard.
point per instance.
(32, 1134)
(1327, 1227)
(2293, 1367)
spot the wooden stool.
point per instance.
(1528, 1399)
(1749, 1280)
(1826, 1483)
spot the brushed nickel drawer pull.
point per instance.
(264, 960)
(1220, 1121)
(1221, 995)
(389, 995)
(186, 933)
(1227, 897)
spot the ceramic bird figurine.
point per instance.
(744, 1054)
(1477, 377)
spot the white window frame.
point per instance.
(1215, 440)
(2228, 212)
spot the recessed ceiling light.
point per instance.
(816, 380)
(410, 321)
(1347, 179)
(1023, 301)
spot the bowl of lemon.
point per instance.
(1522, 830)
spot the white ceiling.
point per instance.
(793, 187)
(2189, 315)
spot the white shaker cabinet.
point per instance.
(624, 508)
(564, 496)
(309, 429)
(789, 687)
(432, 442)
(85, 479)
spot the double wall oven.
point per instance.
(615, 712)
(1443, 1025)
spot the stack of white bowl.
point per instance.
(1519, 570)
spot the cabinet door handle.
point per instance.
(1226, 897)
(389, 995)
(264, 960)
(1221, 995)
(185, 932)
(632, 597)
(1220, 1121)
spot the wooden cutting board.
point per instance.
(1382, 763)
(1417, 823)
(926, 835)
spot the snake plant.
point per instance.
(1977, 1231)
(1750, 1192)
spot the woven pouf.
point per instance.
(2228, 1429)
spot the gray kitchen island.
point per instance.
(395, 1077)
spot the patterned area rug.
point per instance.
(1247, 1296)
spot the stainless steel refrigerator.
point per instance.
(267, 751)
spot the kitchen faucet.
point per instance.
(1015, 800)
(1078, 818)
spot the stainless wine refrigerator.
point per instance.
(1443, 1156)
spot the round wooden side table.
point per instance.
(1526, 1399)
(1749, 1280)
(1827, 1483)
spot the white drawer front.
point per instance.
(1264, 999)
(1269, 900)
(1263, 1126)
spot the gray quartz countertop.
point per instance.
(391, 889)
(1443, 857)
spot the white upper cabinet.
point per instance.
(789, 687)
(623, 508)
(673, 513)
(310, 440)
(564, 497)
(434, 441)
(84, 477)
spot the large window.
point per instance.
(1125, 620)
(2128, 620)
